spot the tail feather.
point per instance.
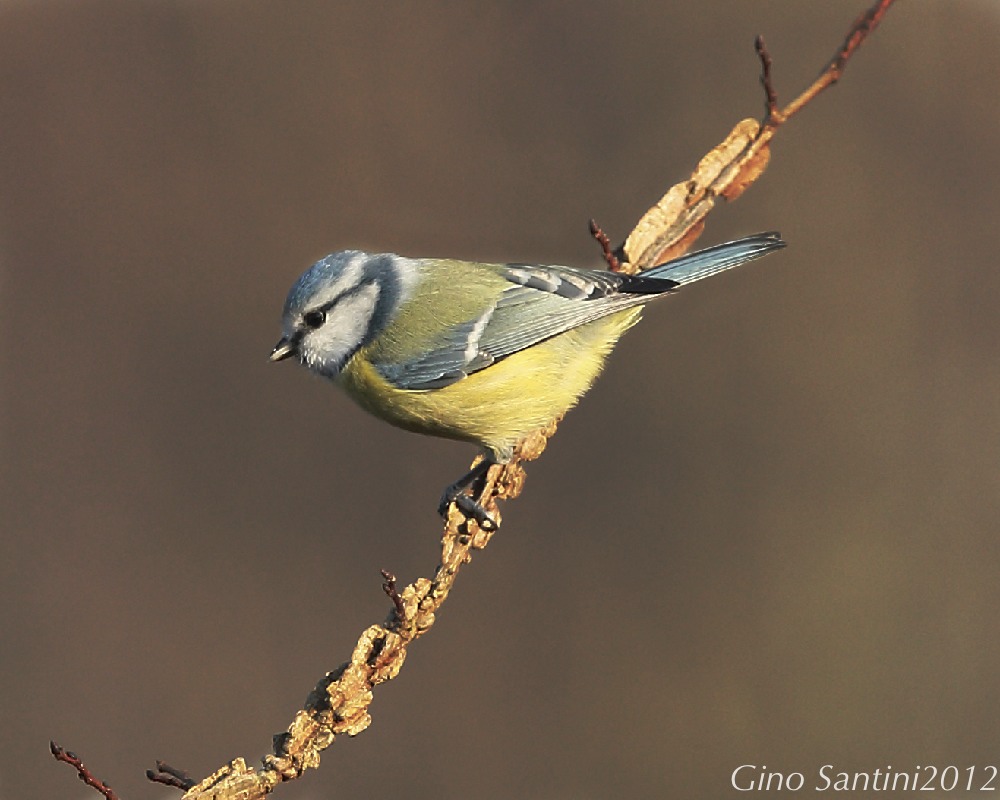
(695, 266)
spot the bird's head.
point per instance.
(338, 305)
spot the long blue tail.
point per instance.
(695, 266)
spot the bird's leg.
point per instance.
(466, 504)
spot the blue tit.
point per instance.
(481, 353)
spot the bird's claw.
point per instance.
(474, 510)
(466, 504)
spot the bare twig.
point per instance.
(859, 31)
(389, 587)
(82, 772)
(170, 776)
(602, 239)
(770, 96)
(670, 227)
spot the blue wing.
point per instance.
(542, 302)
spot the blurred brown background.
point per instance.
(768, 536)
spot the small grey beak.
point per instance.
(285, 348)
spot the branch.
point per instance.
(82, 772)
(669, 228)
(602, 239)
(339, 702)
(859, 31)
(168, 776)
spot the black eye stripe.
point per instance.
(315, 317)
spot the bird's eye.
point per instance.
(314, 319)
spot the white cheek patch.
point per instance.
(328, 348)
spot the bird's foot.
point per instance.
(467, 504)
(474, 510)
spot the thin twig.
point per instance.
(671, 226)
(389, 587)
(82, 772)
(602, 239)
(770, 96)
(856, 35)
(170, 776)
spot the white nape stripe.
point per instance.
(407, 270)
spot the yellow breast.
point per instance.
(499, 405)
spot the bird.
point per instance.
(483, 353)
